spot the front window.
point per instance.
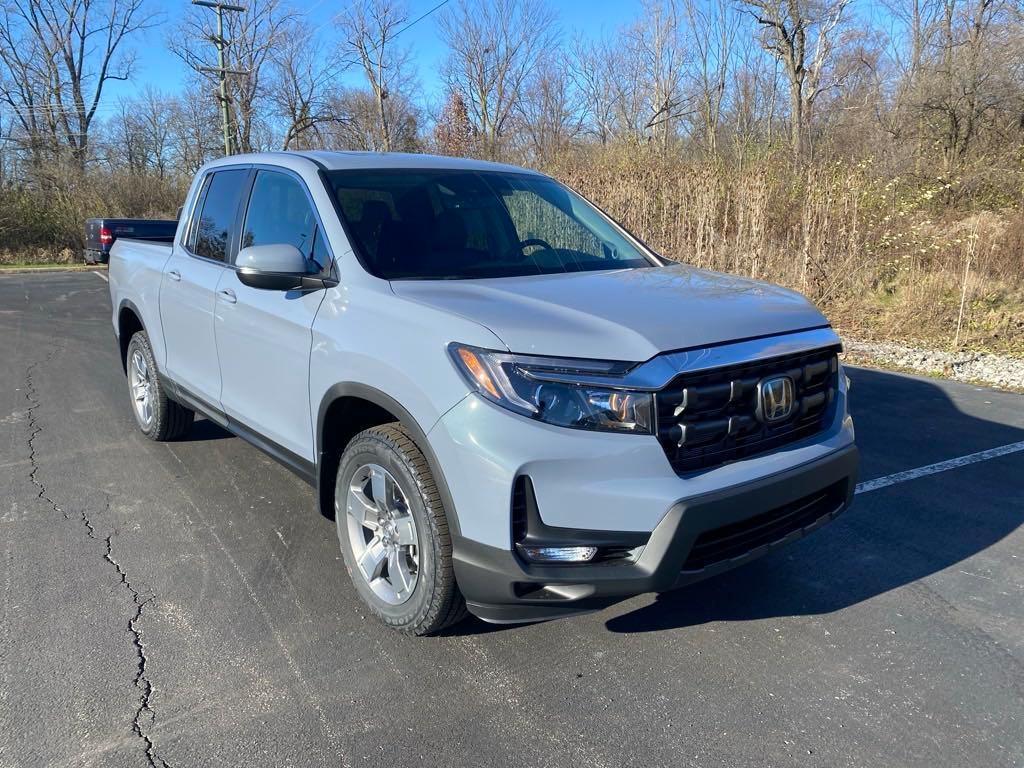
(452, 224)
(280, 213)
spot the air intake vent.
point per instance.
(519, 509)
(737, 539)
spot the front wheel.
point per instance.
(394, 533)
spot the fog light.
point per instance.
(559, 554)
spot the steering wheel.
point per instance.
(521, 247)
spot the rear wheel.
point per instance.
(394, 533)
(159, 417)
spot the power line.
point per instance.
(408, 26)
(110, 106)
(221, 69)
(416, 21)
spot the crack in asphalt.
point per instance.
(141, 680)
(35, 428)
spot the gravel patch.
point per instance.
(980, 367)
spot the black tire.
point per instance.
(435, 602)
(169, 420)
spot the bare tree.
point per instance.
(58, 57)
(358, 122)
(965, 30)
(369, 30)
(303, 80)
(127, 146)
(713, 26)
(801, 34)
(494, 48)
(632, 83)
(139, 134)
(156, 109)
(550, 111)
(750, 105)
(916, 27)
(594, 70)
(195, 130)
(5, 151)
(657, 43)
(610, 77)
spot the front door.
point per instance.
(264, 337)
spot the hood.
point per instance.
(629, 315)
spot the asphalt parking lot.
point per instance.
(185, 605)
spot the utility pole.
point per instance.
(220, 69)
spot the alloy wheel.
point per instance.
(382, 532)
(141, 387)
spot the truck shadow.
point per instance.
(890, 537)
(203, 430)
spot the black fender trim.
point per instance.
(122, 344)
(388, 403)
(127, 304)
(304, 468)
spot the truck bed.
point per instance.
(102, 233)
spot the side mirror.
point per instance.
(277, 267)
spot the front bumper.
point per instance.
(699, 537)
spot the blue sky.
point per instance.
(158, 67)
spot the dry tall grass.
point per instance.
(45, 223)
(885, 257)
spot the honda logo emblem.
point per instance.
(775, 399)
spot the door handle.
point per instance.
(227, 295)
(174, 275)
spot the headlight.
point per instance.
(546, 389)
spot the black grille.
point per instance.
(709, 418)
(736, 539)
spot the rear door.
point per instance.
(189, 286)
(264, 337)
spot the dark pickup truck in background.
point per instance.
(100, 234)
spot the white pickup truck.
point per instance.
(507, 403)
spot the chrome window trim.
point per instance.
(659, 371)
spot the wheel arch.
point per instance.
(346, 409)
(129, 322)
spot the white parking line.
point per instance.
(101, 276)
(942, 466)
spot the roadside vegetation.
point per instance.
(869, 154)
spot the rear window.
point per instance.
(216, 218)
(448, 224)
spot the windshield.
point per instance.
(455, 224)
